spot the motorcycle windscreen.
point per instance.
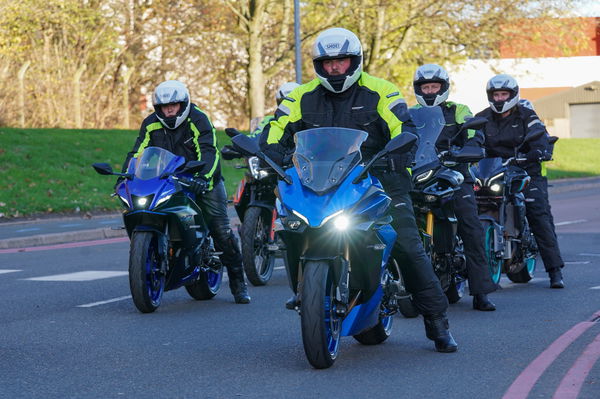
(325, 156)
(154, 161)
(429, 122)
(488, 167)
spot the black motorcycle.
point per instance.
(509, 243)
(434, 185)
(254, 202)
(170, 246)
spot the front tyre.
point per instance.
(319, 321)
(146, 279)
(255, 234)
(494, 263)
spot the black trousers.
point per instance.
(214, 208)
(471, 232)
(542, 223)
(419, 277)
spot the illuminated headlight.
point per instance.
(496, 187)
(255, 171)
(424, 176)
(163, 199)
(142, 201)
(430, 198)
(341, 222)
(125, 202)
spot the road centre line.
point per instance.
(570, 222)
(595, 288)
(4, 271)
(570, 386)
(525, 382)
(89, 305)
(587, 254)
(80, 276)
(584, 262)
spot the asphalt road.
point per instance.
(69, 329)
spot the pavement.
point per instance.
(59, 230)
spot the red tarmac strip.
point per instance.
(65, 246)
(525, 382)
(571, 384)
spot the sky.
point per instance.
(591, 8)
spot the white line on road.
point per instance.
(585, 262)
(89, 305)
(506, 283)
(570, 222)
(109, 222)
(595, 288)
(69, 225)
(586, 254)
(80, 276)
(3, 271)
(279, 268)
(28, 229)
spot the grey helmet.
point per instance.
(431, 73)
(502, 82)
(284, 90)
(337, 43)
(171, 92)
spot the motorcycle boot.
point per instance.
(293, 303)
(436, 329)
(482, 302)
(556, 278)
(237, 284)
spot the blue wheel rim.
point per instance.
(155, 280)
(214, 279)
(387, 322)
(494, 264)
(460, 288)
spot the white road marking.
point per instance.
(506, 283)
(570, 222)
(279, 268)
(69, 225)
(28, 229)
(80, 276)
(595, 288)
(108, 222)
(89, 305)
(3, 271)
(578, 263)
(586, 254)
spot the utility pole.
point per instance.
(297, 41)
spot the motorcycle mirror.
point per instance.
(533, 136)
(469, 154)
(232, 132)
(246, 144)
(103, 168)
(400, 143)
(229, 153)
(477, 122)
(553, 139)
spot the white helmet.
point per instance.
(171, 92)
(502, 82)
(284, 90)
(337, 43)
(431, 73)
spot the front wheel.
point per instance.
(321, 326)
(255, 235)
(146, 279)
(494, 263)
(528, 260)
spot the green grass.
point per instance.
(48, 170)
(575, 158)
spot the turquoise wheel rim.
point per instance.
(494, 264)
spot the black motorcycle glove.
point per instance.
(198, 185)
(398, 162)
(534, 156)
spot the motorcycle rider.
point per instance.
(508, 123)
(432, 86)
(343, 95)
(179, 126)
(282, 92)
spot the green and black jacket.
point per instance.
(195, 139)
(373, 105)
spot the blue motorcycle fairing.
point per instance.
(318, 207)
(363, 316)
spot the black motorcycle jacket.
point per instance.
(504, 135)
(373, 105)
(195, 139)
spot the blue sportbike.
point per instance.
(170, 246)
(335, 224)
